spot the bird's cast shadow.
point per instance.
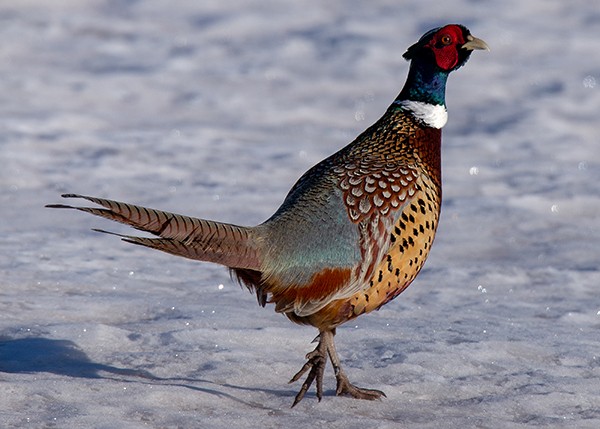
(64, 357)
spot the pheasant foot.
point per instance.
(345, 388)
(316, 362)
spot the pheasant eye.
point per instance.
(446, 40)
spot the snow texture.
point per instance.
(214, 109)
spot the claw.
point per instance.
(300, 373)
(316, 363)
(345, 388)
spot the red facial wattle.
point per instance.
(445, 45)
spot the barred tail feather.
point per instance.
(205, 240)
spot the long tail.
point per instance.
(205, 240)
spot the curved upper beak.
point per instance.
(475, 43)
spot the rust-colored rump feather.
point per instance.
(322, 285)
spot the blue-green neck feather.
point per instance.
(425, 83)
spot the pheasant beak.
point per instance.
(475, 43)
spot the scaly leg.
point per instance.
(344, 387)
(316, 362)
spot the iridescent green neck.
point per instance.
(425, 83)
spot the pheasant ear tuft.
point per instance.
(412, 50)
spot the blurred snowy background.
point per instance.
(214, 109)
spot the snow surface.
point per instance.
(214, 109)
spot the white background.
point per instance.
(214, 109)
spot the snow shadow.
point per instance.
(62, 357)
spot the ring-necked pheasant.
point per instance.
(355, 229)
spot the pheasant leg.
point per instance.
(344, 387)
(316, 362)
